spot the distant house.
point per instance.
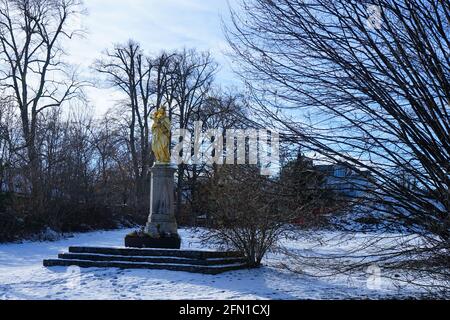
(345, 180)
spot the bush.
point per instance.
(244, 214)
(87, 217)
(18, 222)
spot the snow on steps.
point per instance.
(210, 262)
(159, 259)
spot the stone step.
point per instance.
(192, 254)
(150, 259)
(143, 265)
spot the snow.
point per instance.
(22, 276)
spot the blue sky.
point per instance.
(157, 25)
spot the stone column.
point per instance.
(161, 221)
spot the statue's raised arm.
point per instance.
(161, 136)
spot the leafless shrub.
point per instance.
(243, 213)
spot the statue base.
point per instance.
(145, 241)
(161, 230)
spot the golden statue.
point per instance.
(161, 136)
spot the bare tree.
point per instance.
(220, 111)
(192, 81)
(144, 81)
(32, 69)
(106, 143)
(364, 84)
(10, 145)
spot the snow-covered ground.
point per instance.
(22, 276)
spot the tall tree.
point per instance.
(32, 69)
(364, 84)
(192, 81)
(145, 81)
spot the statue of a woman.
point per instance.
(161, 136)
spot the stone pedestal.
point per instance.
(161, 221)
(161, 230)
